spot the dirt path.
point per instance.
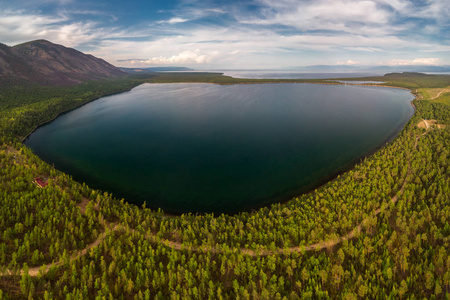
(34, 271)
(333, 242)
(440, 93)
(316, 246)
(429, 124)
(82, 205)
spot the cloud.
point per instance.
(185, 57)
(134, 60)
(246, 47)
(174, 20)
(348, 63)
(191, 12)
(199, 10)
(18, 27)
(269, 34)
(430, 61)
(362, 17)
(336, 15)
(364, 49)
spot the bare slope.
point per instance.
(46, 63)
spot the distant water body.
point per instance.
(283, 74)
(359, 82)
(261, 74)
(215, 148)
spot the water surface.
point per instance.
(215, 148)
(360, 81)
(284, 74)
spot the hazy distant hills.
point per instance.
(46, 63)
(370, 69)
(155, 69)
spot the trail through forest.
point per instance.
(440, 93)
(35, 271)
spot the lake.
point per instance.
(283, 74)
(220, 148)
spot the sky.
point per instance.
(247, 34)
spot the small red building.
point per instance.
(40, 183)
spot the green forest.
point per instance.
(380, 230)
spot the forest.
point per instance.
(380, 230)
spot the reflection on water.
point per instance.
(271, 74)
(204, 148)
(359, 82)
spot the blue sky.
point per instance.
(249, 34)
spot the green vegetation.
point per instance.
(444, 98)
(217, 78)
(23, 107)
(408, 80)
(38, 224)
(399, 197)
(441, 95)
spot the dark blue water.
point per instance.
(214, 148)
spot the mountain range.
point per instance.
(46, 63)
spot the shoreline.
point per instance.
(22, 140)
(311, 188)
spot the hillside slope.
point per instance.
(46, 63)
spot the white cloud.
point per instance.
(363, 49)
(430, 61)
(174, 20)
(371, 18)
(18, 27)
(436, 9)
(265, 49)
(185, 57)
(243, 46)
(189, 13)
(348, 63)
(320, 32)
(352, 16)
(193, 12)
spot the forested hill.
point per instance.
(46, 63)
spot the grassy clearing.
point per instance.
(435, 95)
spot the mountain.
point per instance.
(46, 63)
(11, 64)
(155, 69)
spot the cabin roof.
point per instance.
(40, 182)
